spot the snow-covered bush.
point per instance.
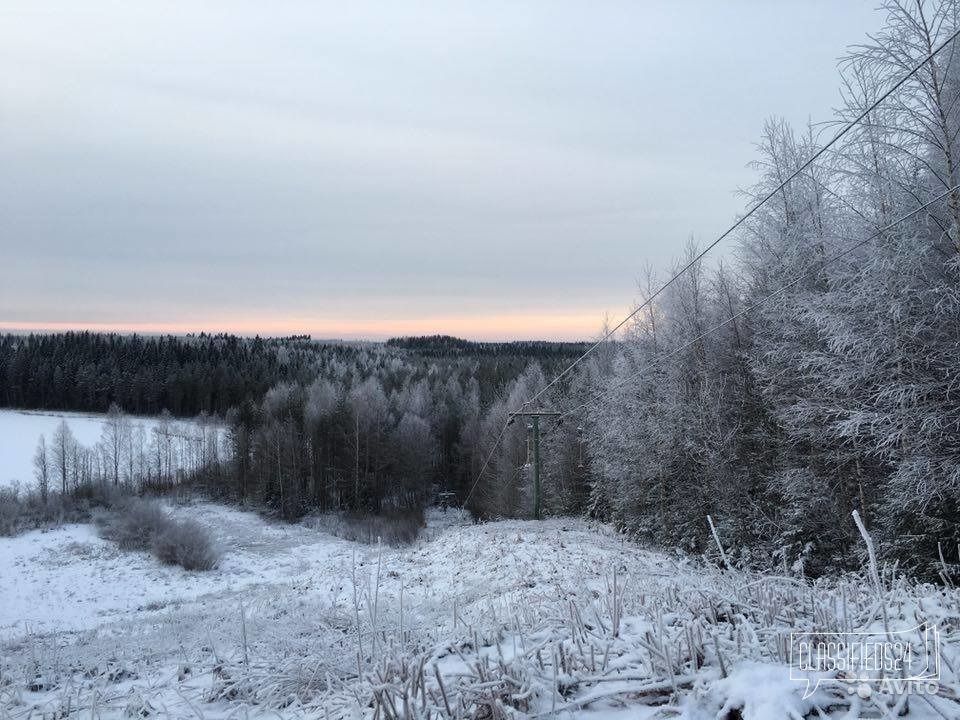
(20, 512)
(139, 524)
(186, 543)
(9, 507)
(135, 524)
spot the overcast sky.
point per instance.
(361, 169)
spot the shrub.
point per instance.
(134, 524)
(9, 511)
(102, 494)
(21, 512)
(138, 524)
(186, 543)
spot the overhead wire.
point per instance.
(743, 218)
(763, 301)
(726, 233)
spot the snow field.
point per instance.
(20, 430)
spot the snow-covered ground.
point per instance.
(70, 579)
(508, 619)
(20, 430)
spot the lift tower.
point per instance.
(534, 417)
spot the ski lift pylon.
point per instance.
(580, 447)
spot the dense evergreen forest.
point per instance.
(445, 346)
(146, 375)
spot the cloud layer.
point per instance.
(365, 169)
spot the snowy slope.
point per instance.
(559, 618)
(70, 579)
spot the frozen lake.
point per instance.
(21, 429)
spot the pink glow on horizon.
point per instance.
(517, 326)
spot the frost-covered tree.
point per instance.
(369, 408)
(817, 375)
(62, 451)
(322, 404)
(505, 488)
(114, 440)
(41, 469)
(415, 454)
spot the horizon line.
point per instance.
(164, 329)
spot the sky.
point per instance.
(493, 170)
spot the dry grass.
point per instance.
(638, 631)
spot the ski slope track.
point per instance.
(509, 619)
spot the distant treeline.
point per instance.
(195, 374)
(146, 375)
(446, 346)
